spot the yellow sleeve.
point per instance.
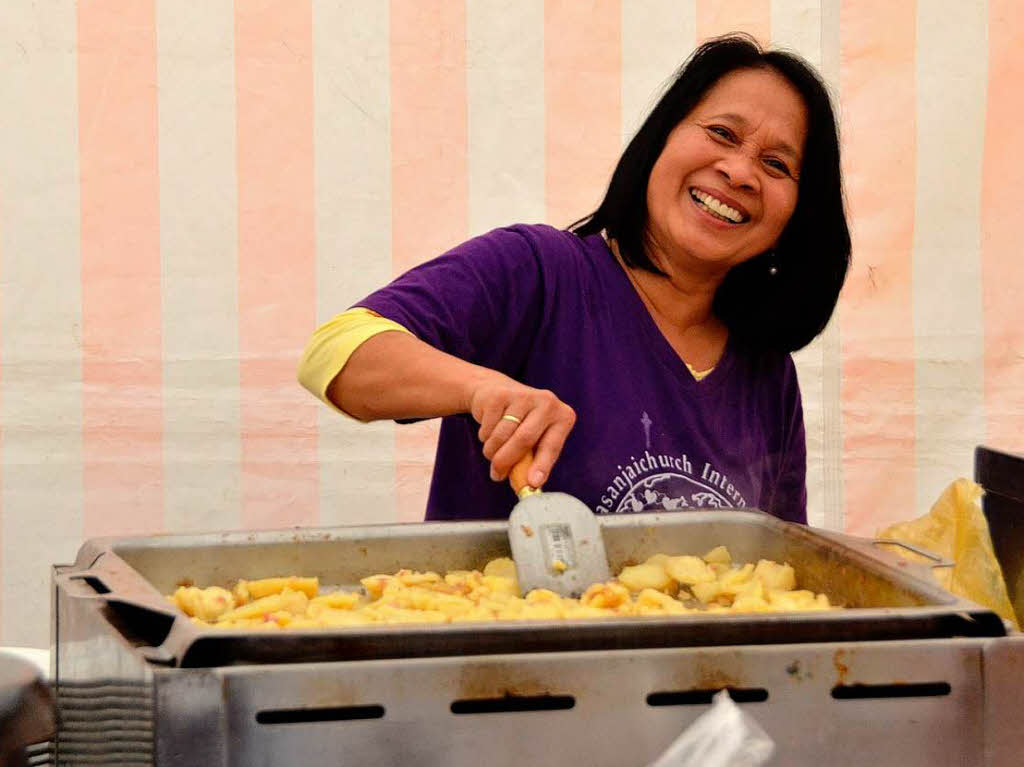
(333, 343)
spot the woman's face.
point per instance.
(725, 185)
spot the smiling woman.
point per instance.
(643, 354)
(768, 106)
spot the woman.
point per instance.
(642, 355)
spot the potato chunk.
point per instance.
(264, 587)
(732, 582)
(796, 600)
(775, 576)
(294, 602)
(750, 598)
(718, 556)
(207, 604)
(645, 576)
(653, 602)
(375, 585)
(605, 595)
(502, 566)
(337, 600)
(688, 570)
(707, 592)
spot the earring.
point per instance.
(773, 268)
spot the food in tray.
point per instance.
(662, 585)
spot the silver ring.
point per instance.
(511, 418)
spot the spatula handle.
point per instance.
(517, 477)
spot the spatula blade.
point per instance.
(549, 530)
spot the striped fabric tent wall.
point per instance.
(188, 187)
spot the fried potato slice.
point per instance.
(264, 587)
(207, 604)
(499, 584)
(654, 602)
(718, 556)
(707, 592)
(610, 595)
(775, 576)
(337, 600)
(688, 570)
(646, 576)
(733, 581)
(294, 602)
(502, 566)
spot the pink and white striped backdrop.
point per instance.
(188, 186)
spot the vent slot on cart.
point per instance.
(918, 690)
(509, 703)
(308, 715)
(702, 697)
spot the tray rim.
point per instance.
(188, 644)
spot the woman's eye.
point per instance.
(777, 165)
(720, 132)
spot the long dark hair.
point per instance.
(783, 310)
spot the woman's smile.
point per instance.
(719, 206)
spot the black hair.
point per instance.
(780, 299)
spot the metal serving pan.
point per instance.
(887, 598)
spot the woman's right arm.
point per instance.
(396, 375)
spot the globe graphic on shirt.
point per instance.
(670, 492)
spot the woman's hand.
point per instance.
(515, 418)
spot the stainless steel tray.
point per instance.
(886, 598)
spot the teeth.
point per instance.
(717, 206)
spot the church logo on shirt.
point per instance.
(660, 482)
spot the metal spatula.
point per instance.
(556, 540)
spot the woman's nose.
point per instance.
(739, 169)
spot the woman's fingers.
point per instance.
(506, 430)
(547, 450)
(543, 430)
(514, 419)
(490, 415)
(510, 441)
(505, 433)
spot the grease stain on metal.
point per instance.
(842, 669)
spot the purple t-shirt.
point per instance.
(556, 311)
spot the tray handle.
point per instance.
(151, 620)
(937, 560)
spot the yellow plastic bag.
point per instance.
(957, 530)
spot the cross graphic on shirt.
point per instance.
(646, 421)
